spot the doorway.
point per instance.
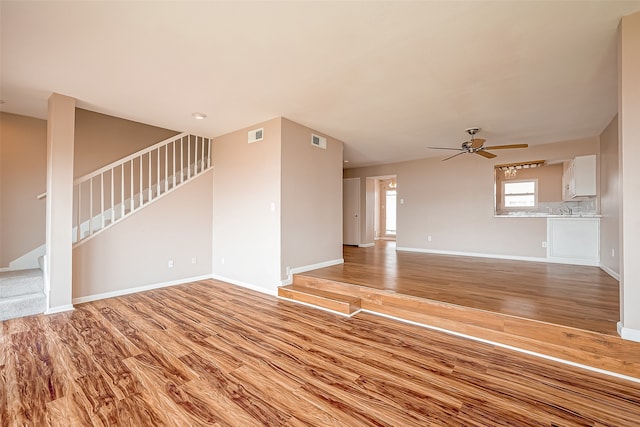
(386, 208)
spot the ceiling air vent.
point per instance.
(318, 141)
(255, 135)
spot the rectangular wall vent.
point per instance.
(255, 135)
(318, 141)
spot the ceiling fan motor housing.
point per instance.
(472, 131)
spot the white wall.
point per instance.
(246, 207)
(311, 199)
(453, 201)
(135, 251)
(610, 198)
(629, 133)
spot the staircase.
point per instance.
(21, 293)
(107, 196)
(113, 192)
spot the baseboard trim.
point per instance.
(304, 268)
(628, 333)
(60, 309)
(127, 291)
(316, 266)
(509, 347)
(28, 260)
(269, 291)
(366, 245)
(570, 261)
(610, 272)
(472, 254)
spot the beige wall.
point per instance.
(629, 133)
(609, 198)
(311, 198)
(23, 176)
(246, 207)
(135, 252)
(453, 202)
(102, 139)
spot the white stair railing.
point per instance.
(109, 194)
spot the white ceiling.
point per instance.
(387, 78)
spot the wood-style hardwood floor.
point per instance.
(210, 353)
(576, 296)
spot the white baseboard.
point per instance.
(610, 272)
(302, 269)
(628, 333)
(269, 291)
(316, 266)
(472, 254)
(127, 291)
(60, 309)
(571, 261)
(574, 261)
(26, 261)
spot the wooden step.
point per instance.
(340, 303)
(598, 350)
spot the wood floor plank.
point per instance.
(210, 353)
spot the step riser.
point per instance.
(21, 282)
(25, 305)
(342, 307)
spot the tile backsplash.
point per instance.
(578, 207)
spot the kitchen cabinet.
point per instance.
(574, 240)
(579, 177)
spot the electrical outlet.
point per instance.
(544, 244)
(428, 238)
(170, 263)
(613, 253)
(194, 260)
(221, 260)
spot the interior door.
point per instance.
(351, 211)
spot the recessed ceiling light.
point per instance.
(346, 161)
(199, 116)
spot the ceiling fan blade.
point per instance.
(445, 148)
(455, 155)
(477, 143)
(486, 154)
(503, 147)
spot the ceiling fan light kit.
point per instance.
(476, 146)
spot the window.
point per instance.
(520, 194)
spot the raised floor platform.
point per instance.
(594, 344)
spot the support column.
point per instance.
(629, 131)
(59, 210)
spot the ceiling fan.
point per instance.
(476, 146)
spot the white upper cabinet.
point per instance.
(579, 177)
